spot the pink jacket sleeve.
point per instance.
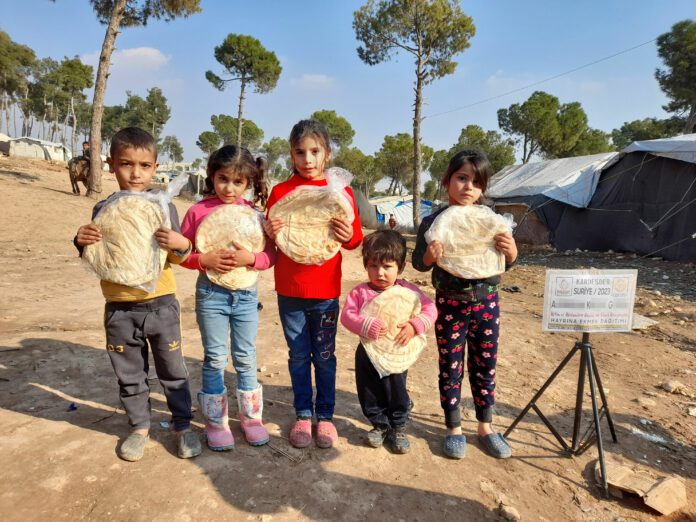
(188, 230)
(368, 327)
(267, 258)
(428, 314)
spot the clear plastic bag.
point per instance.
(128, 253)
(466, 233)
(307, 236)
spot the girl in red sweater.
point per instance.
(308, 295)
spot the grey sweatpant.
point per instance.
(130, 328)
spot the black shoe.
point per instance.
(375, 437)
(398, 441)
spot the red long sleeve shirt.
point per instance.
(311, 281)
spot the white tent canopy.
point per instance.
(681, 148)
(569, 180)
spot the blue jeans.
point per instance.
(224, 315)
(309, 326)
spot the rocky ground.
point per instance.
(61, 419)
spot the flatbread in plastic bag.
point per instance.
(219, 229)
(466, 233)
(128, 253)
(307, 237)
(394, 306)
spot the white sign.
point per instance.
(589, 300)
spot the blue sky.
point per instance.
(517, 43)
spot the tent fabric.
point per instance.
(568, 180)
(403, 213)
(682, 148)
(26, 147)
(367, 211)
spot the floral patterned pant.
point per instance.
(474, 324)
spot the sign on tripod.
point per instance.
(589, 300)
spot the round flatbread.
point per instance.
(466, 234)
(307, 237)
(219, 229)
(128, 253)
(394, 306)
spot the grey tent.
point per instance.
(639, 200)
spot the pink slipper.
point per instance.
(326, 434)
(301, 433)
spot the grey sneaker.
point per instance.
(375, 437)
(133, 447)
(189, 445)
(495, 445)
(398, 441)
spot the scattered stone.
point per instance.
(657, 292)
(681, 323)
(692, 411)
(646, 403)
(673, 387)
(261, 369)
(665, 276)
(653, 314)
(510, 513)
(678, 310)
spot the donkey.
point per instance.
(78, 169)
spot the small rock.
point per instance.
(657, 292)
(665, 276)
(678, 310)
(646, 403)
(677, 297)
(652, 304)
(673, 386)
(261, 369)
(653, 314)
(692, 411)
(681, 323)
(510, 513)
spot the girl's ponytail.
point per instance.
(260, 183)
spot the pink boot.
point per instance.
(217, 429)
(250, 412)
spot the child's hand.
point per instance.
(272, 227)
(342, 229)
(405, 335)
(433, 253)
(88, 235)
(241, 256)
(221, 261)
(171, 240)
(505, 244)
(378, 329)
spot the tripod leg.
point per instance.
(542, 389)
(579, 396)
(595, 411)
(604, 398)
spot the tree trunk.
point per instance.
(240, 121)
(73, 146)
(95, 164)
(14, 117)
(690, 121)
(417, 156)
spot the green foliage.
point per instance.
(150, 113)
(139, 12)
(431, 190)
(677, 49)
(439, 163)
(592, 141)
(113, 120)
(15, 63)
(208, 142)
(226, 127)
(340, 130)
(394, 160)
(544, 126)
(363, 167)
(73, 76)
(274, 150)
(645, 129)
(434, 31)
(195, 165)
(171, 147)
(500, 151)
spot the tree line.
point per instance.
(430, 32)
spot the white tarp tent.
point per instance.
(568, 180)
(682, 148)
(26, 147)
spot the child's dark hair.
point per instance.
(132, 138)
(242, 163)
(310, 129)
(478, 160)
(384, 246)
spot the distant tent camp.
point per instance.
(639, 200)
(402, 209)
(26, 147)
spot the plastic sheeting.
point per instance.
(682, 148)
(568, 180)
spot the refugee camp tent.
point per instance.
(4, 144)
(639, 200)
(367, 211)
(401, 207)
(26, 147)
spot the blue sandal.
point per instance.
(495, 445)
(455, 446)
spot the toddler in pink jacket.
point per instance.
(384, 400)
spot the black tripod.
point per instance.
(588, 368)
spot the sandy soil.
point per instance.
(58, 462)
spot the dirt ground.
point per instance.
(61, 418)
